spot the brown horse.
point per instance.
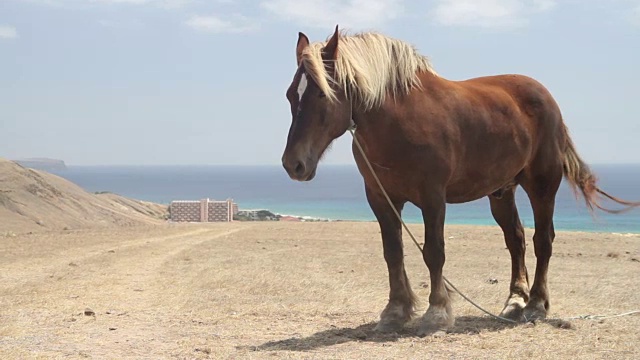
(436, 141)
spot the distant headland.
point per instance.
(45, 164)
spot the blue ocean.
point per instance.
(337, 193)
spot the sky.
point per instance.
(190, 82)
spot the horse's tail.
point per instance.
(581, 178)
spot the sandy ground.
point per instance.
(295, 290)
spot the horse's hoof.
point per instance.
(533, 313)
(393, 318)
(389, 326)
(513, 310)
(425, 331)
(436, 320)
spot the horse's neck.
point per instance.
(373, 124)
(391, 116)
(430, 85)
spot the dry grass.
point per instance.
(294, 290)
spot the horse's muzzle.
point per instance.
(299, 170)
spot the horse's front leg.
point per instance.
(439, 315)
(401, 299)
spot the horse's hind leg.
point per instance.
(506, 215)
(542, 188)
(401, 299)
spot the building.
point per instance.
(204, 210)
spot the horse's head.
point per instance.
(318, 118)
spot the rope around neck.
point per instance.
(395, 211)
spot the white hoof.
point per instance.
(436, 320)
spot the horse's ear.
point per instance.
(331, 49)
(303, 42)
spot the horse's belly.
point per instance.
(475, 185)
(457, 196)
(492, 166)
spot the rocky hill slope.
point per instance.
(33, 200)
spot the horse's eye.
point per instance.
(322, 94)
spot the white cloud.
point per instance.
(544, 5)
(8, 32)
(169, 4)
(219, 24)
(326, 14)
(124, 1)
(488, 13)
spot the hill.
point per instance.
(33, 200)
(45, 164)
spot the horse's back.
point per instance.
(536, 106)
(507, 123)
(531, 96)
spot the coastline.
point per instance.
(337, 194)
(488, 223)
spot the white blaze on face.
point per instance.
(302, 85)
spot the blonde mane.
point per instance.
(368, 66)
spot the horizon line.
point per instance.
(278, 165)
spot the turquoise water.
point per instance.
(337, 193)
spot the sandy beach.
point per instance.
(295, 290)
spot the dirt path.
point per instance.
(122, 282)
(297, 290)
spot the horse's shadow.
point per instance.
(365, 333)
